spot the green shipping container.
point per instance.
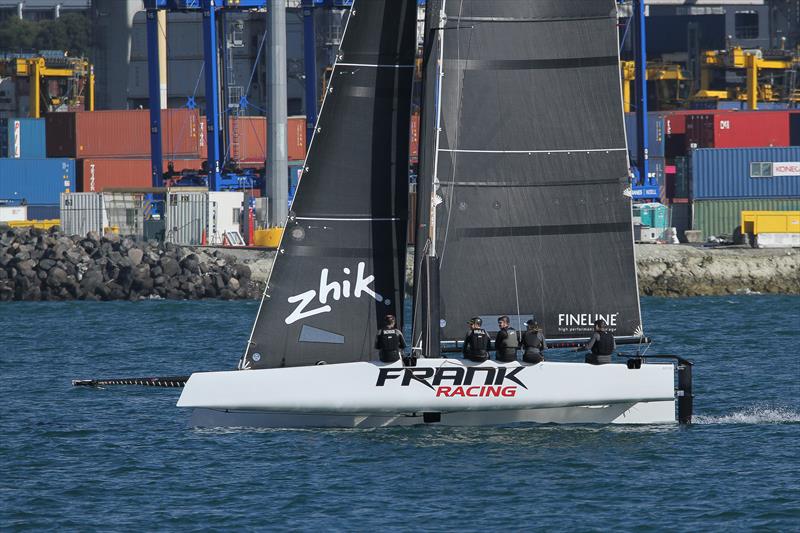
(723, 217)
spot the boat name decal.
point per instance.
(452, 382)
(335, 290)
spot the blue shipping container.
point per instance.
(655, 138)
(44, 212)
(37, 181)
(23, 138)
(745, 173)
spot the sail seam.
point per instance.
(559, 151)
(532, 64)
(540, 19)
(351, 219)
(376, 65)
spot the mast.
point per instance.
(425, 335)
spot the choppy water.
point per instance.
(124, 458)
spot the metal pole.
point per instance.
(154, 94)
(277, 160)
(641, 91)
(212, 92)
(310, 64)
(162, 56)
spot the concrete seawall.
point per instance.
(40, 265)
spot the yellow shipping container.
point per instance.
(757, 222)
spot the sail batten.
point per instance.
(340, 265)
(531, 167)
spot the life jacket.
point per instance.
(389, 340)
(479, 342)
(531, 342)
(604, 345)
(507, 344)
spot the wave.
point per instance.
(753, 415)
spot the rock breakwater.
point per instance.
(41, 265)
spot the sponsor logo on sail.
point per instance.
(317, 301)
(578, 322)
(457, 382)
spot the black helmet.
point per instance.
(476, 320)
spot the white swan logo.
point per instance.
(334, 290)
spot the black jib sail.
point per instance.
(341, 263)
(529, 166)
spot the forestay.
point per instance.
(341, 262)
(532, 167)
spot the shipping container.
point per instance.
(82, 212)
(678, 183)
(125, 134)
(655, 136)
(738, 129)
(37, 181)
(13, 213)
(794, 128)
(248, 142)
(22, 138)
(746, 173)
(723, 217)
(413, 149)
(43, 212)
(186, 217)
(97, 174)
(125, 212)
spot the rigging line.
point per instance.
(516, 292)
(458, 128)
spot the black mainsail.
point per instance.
(526, 156)
(340, 266)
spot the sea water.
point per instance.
(124, 458)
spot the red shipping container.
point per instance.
(413, 148)
(249, 139)
(96, 175)
(737, 129)
(296, 138)
(122, 134)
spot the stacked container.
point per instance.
(22, 138)
(37, 182)
(737, 129)
(121, 134)
(726, 182)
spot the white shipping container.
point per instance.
(13, 213)
(224, 216)
(778, 240)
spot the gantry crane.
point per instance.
(74, 75)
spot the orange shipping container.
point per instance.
(249, 139)
(122, 134)
(413, 149)
(96, 175)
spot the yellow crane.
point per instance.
(39, 70)
(753, 61)
(671, 76)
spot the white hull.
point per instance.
(451, 391)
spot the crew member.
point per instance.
(533, 343)
(506, 342)
(601, 345)
(477, 341)
(389, 341)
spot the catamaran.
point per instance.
(524, 210)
